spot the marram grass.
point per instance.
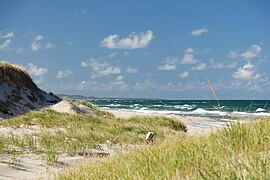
(238, 152)
(64, 133)
(15, 67)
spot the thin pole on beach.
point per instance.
(213, 91)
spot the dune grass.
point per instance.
(238, 152)
(65, 133)
(15, 67)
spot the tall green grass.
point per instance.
(66, 133)
(238, 152)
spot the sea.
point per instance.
(204, 108)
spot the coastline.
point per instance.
(195, 125)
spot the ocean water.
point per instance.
(205, 108)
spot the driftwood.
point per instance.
(149, 137)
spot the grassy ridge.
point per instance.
(238, 152)
(14, 67)
(65, 133)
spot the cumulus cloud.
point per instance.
(184, 74)
(199, 67)
(7, 40)
(132, 70)
(246, 72)
(36, 71)
(36, 45)
(169, 65)
(9, 35)
(119, 83)
(189, 57)
(189, 50)
(133, 41)
(198, 32)
(119, 78)
(5, 45)
(251, 53)
(64, 74)
(101, 68)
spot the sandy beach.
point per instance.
(195, 125)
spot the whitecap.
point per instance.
(261, 110)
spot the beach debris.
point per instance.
(149, 137)
(112, 141)
(95, 153)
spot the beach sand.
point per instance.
(195, 125)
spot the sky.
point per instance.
(141, 49)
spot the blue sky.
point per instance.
(150, 49)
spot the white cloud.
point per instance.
(36, 45)
(5, 45)
(167, 67)
(36, 71)
(63, 74)
(189, 50)
(198, 32)
(246, 72)
(119, 78)
(9, 35)
(38, 38)
(119, 83)
(170, 64)
(189, 57)
(132, 70)
(50, 45)
(257, 76)
(133, 41)
(7, 38)
(184, 74)
(251, 53)
(101, 68)
(199, 67)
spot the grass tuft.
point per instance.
(238, 152)
(15, 67)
